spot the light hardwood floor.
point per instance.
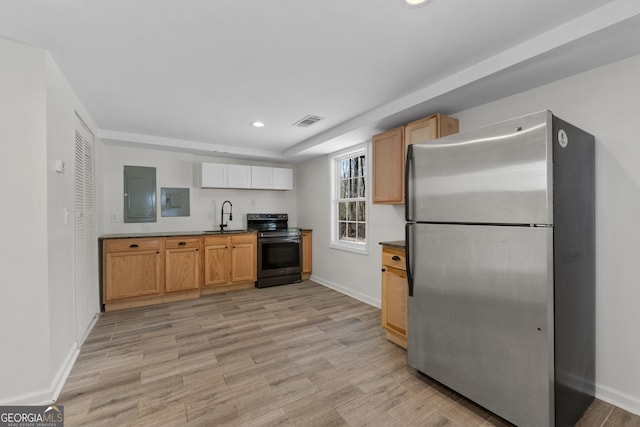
(296, 355)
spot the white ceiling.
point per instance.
(192, 74)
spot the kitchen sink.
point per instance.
(224, 232)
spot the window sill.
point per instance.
(357, 249)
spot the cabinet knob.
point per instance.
(396, 258)
(384, 269)
(182, 243)
(157, 252)
(134, 245)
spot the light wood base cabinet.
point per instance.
(244, 253)
(394, 295)
(307, 252)
(132, 268)
(144, 271)
(389, 152)
(216, 260)
(230, 260)
(182, 264)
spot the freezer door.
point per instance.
(480, 320)
(500, 174)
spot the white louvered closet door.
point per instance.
(85, 234)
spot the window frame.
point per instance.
(335, 242)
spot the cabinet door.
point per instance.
(214, 175)
(388, 167)
(394, 300)
(238, 176)
(182, 264)
(216, 263)
(421, 130)
(243, 259)
(282, 179)
(429, 128)
(261, 177)
(306, 252)
(131, 274)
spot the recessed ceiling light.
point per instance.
(415, 3)
(257, 124)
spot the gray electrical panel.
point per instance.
(174, 201)
(139, 194)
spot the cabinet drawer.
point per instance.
(122, 245)
(394, 258)
(216, 240)
(186, 242)
(243, 238)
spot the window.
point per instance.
(349, 210)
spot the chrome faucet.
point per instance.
(222, 224)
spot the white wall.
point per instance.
(354, 274)
(24, 308)
(37, 308)
(174, 169)
(604, 102)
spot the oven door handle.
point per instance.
(264, 240)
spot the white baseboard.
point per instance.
(376, 302)
(65, 369)
(618, 398)
(61, 376)
(89, 328)
(50, 394)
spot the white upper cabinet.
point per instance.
(223, 175)
(214, 175)
(261, 177)
(282, 179)
(238, 176)
(267, 178)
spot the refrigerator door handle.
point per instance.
(407, 193)
(407, 257)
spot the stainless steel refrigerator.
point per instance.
(501, 267)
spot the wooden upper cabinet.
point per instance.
(389, 154)
(388, 167)
(429, 128)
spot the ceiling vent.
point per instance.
(307, 121)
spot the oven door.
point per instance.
(279, 256)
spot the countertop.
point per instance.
(172, 234)
(394, 244)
